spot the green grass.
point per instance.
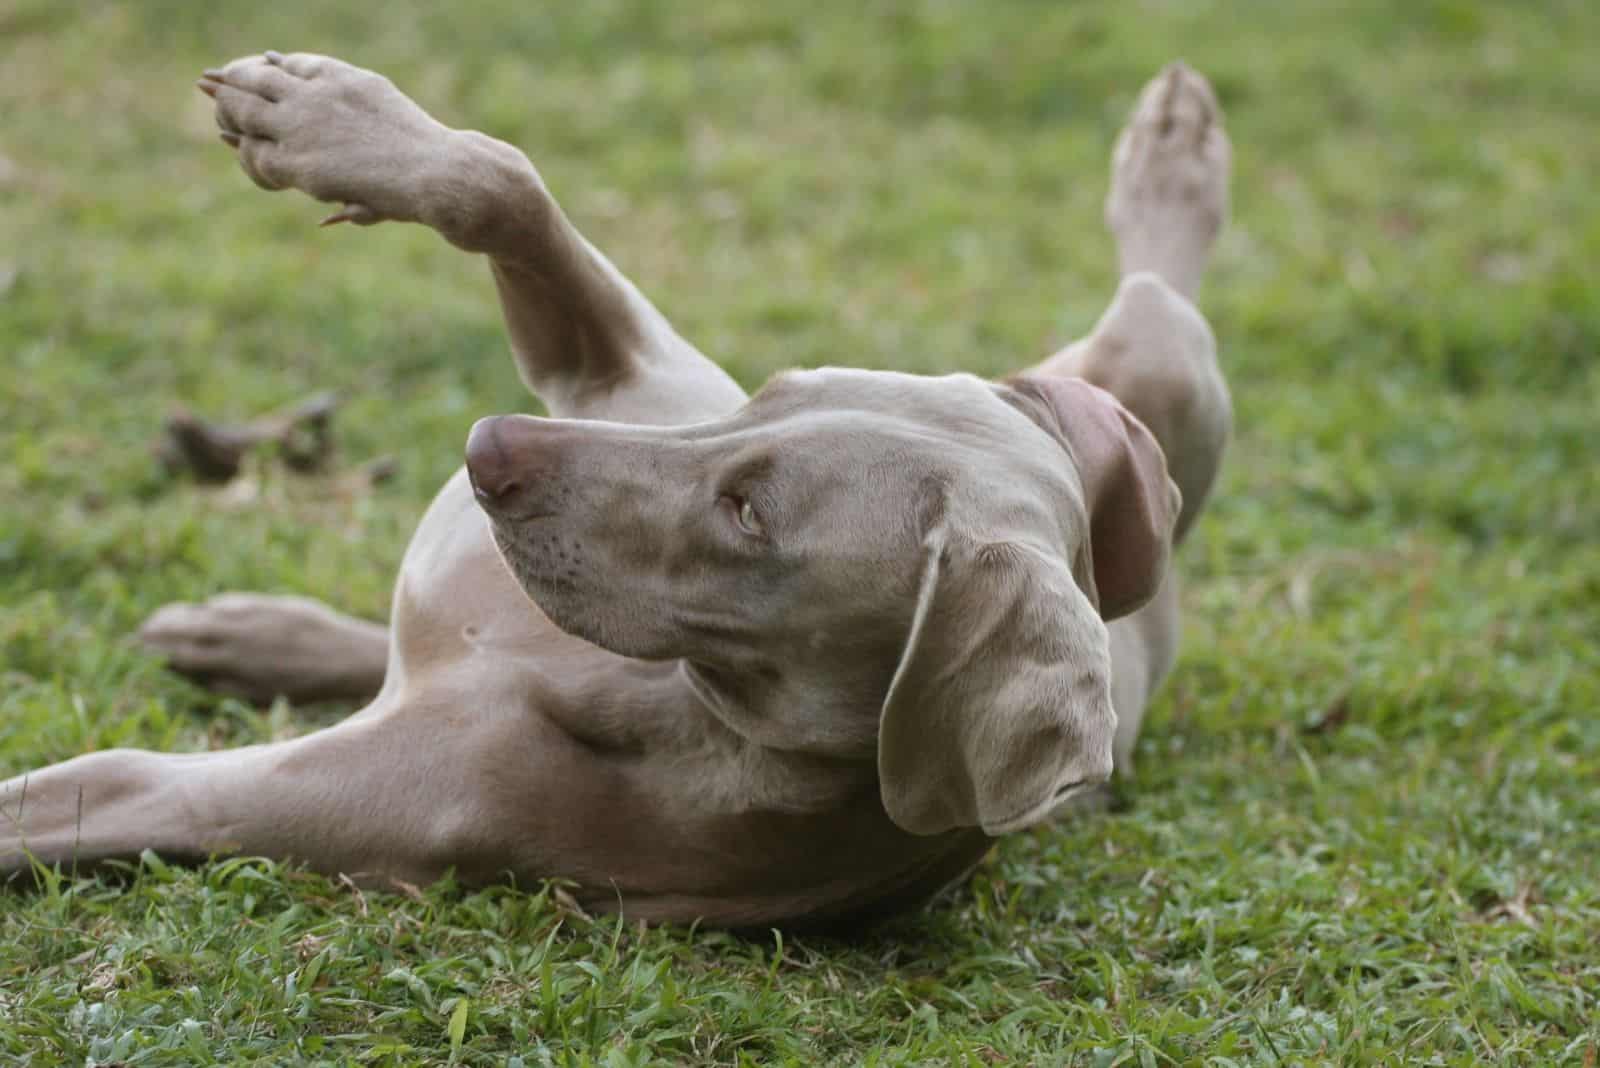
(1367, 822)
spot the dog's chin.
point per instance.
(566, 596)
(554, 590)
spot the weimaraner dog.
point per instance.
(789, 658)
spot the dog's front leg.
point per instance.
(376, 797)
(583, 335)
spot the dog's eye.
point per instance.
(743, 513)
(748, 519)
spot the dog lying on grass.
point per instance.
(794, 657)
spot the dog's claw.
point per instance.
(359, 214)
(207, 87)
(230, 139)
(1172, 78)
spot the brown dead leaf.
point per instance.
(1515, 907)
(410, 890)
(1333, 716)
(309, 946)
(361, 899)
(301, 435)
(102, 977)
(566, 903)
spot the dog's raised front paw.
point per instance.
(334, 131)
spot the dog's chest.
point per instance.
(455, 599)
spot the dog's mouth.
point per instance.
(511, 517)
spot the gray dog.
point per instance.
(782, 658)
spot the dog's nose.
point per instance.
(497, 456)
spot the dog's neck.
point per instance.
(811, 744)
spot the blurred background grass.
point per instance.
(1402, 552)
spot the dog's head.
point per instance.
(861, 564)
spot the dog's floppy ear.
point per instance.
(1001, 706)
(1132, 503)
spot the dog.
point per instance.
(793, 658)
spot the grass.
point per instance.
(1366, 826)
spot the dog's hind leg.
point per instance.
(585, 339)
(1152, 348)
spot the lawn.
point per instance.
(1366, 823)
